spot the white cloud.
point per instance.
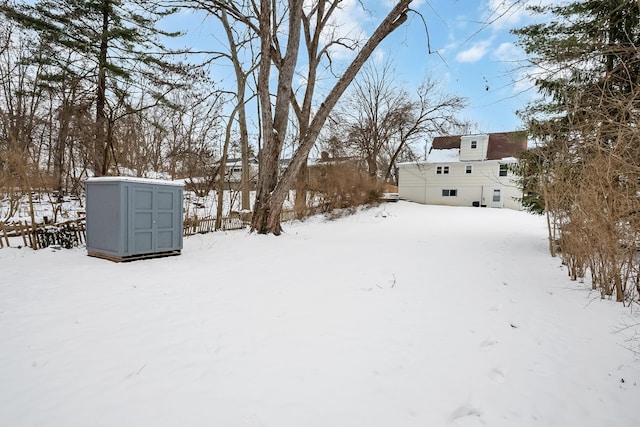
(379, 56)
(508, 52)
(505, 13)
(346, 24)
(414, 5)
(523, 85)
(475, 52)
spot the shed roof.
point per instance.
(133, 179)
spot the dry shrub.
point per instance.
(342, 186)
(594, 197)
(17, 174)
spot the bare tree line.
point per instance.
(48, 129)
(89, 95)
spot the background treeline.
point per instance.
(86, 88)
(90, 88)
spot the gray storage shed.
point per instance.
(133, 218)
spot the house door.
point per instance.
(496, 198)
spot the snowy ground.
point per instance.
(402, 315)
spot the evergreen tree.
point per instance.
(589, 52)
(119, 45)
(587, 64)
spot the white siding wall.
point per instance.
(413, 179)
(470, 154)
(420, 183)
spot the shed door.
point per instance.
(166, 220)
(142, 232)
(155, 226)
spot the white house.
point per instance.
(233, 169)
(468, 170)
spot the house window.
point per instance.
(468, 169)
(503, 170)
(438, 170)
(474, 144)
(442, 170)
(449, 193)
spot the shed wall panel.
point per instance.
(103, 211)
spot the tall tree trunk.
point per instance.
(60, 146)
(245, 179)
(301, 185)
(265, 183)
(274, 127)
(100, 164)
(241, 84)
(372, 164)
(267, 214)
(222, 170)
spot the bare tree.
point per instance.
(236, 42)
(380, 119)
(317, 27)
(279, 48)
(20, 106)
(272, 190)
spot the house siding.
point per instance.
(420, 183)
(412, 182)
(470, 154)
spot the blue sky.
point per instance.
(473, 59)
(473, 53)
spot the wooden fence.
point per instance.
(73, 232)
(234, 222)
(65, 234)
(208, 224)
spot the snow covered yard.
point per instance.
(401, 315)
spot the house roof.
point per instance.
(506, 144)
(502, 145)
(446, 142)
(444, 155)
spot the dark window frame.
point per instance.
(442, 170)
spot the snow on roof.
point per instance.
(446, 155)
(509, 160)
(134, 179)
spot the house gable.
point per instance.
(466, 170)
(473, 147)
